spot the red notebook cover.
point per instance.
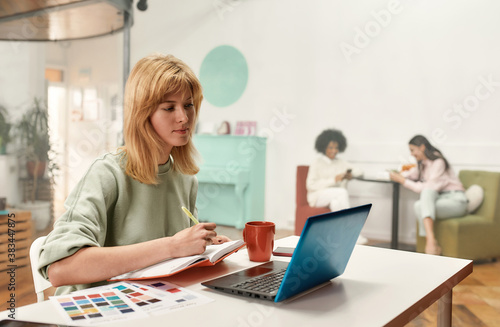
(204, 263)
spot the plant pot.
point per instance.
(40, 169)
(40, 213)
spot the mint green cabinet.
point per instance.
(231, 179)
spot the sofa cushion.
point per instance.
(475, 195)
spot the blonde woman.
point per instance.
(125, 213)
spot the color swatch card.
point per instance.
(173, 297)
(154, 296)
(146, 298)
(81, 309)
(141, 297)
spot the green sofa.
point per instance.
(475, 236)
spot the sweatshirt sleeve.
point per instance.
(436, 178)
(85, 221)
(411, 174)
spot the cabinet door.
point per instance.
(231, 179)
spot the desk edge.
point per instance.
(425, 302)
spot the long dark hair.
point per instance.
(430, 152)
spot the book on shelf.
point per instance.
(212, 255)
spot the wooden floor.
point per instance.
(476, 300)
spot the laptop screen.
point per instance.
(323, 250)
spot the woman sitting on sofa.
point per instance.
(441, 192)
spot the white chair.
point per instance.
(41, 284)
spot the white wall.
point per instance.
(21, 79)
(21, 75)
(411, 65)
(381, 71)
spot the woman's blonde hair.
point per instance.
(150, 80)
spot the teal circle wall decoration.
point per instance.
(223, 75)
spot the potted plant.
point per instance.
(33, 134)
(32, 131)
(5, 127)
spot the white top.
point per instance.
(405, 283)
(322, 173)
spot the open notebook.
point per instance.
(212, 255)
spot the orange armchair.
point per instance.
(303, 210)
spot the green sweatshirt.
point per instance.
(109, 208)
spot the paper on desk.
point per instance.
(92, 308)
(154, 296)
(174, 297)
(157, 296)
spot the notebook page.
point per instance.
(162, 268)
(217, 251)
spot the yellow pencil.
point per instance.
(190, 215)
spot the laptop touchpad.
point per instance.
(257, 271)
(263, 269)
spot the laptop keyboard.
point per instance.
(266, 283)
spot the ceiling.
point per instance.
(57, 20)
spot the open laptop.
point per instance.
(322, 253)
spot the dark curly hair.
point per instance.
(327, 136)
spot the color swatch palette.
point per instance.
(178, 297)
(161, 285)
(172, 289)
(140, 296)
(95, 307)
(124, 300)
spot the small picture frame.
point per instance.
(224, 128)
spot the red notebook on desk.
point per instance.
(212, 255)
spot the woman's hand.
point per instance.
(340, 177)
(194, 240)
(348, 175)
(397, 177)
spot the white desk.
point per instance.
(380, 287)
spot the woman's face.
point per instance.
(332, 149)
(418, 151)
(173, 120)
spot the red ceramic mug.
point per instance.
(259, 237)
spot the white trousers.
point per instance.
(439, 206)
(336, 198)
